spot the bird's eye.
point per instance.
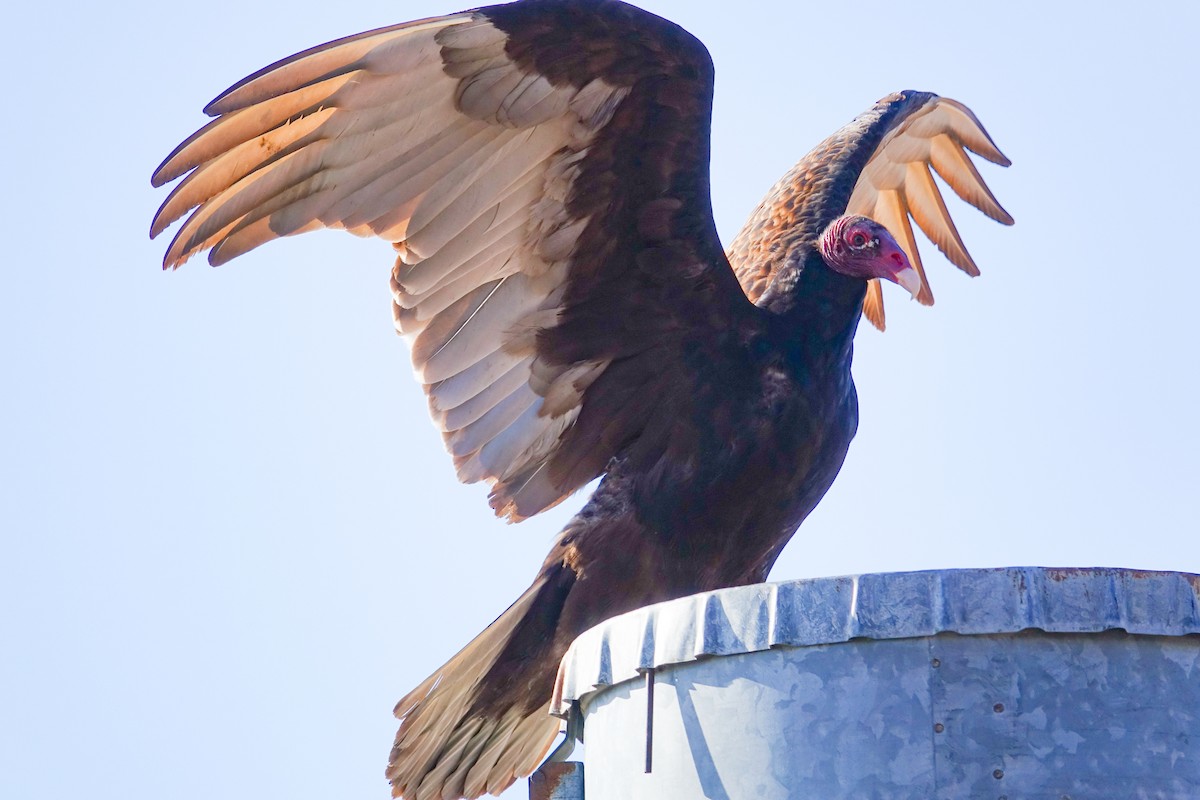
(858, 239)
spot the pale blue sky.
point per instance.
(232, 539)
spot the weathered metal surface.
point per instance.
(911, 707)
(1081, 716)
(814, 722)
(557, 780)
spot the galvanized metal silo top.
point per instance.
(877, 606)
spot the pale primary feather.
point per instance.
(896, 183)
(326, 179)
(473, 437)
(468, 331)
(397, 48)
(464, 193)
(512, 451)
(486, 240)
(927, 207)
(961, 175)
(420, 309)
(362, 102)
(530, 492)
(468, 383)
(469, 411)
(379, 203)
(229, 147)
(503, 258)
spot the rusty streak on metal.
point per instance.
(559, 780)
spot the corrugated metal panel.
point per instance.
(1051, 684)
(878, 606)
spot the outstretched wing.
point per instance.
(878, 166)
(542, 170)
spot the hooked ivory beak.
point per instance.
(898, 268)
(909, 279)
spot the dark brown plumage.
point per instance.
(542, 170)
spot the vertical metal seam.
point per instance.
(933, 736)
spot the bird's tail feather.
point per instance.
(447, 747)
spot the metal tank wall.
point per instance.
(1006, 683)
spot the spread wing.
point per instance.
(878, 166)
(542, 171)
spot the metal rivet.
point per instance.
(997, 774)
(939, 728)
(937, 662)
(998, 708)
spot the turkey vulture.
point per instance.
(541, 169)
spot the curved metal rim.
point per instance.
(894, 605)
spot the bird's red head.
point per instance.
(862, 248)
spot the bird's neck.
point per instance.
(816, 310)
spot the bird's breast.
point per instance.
(758, 465)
